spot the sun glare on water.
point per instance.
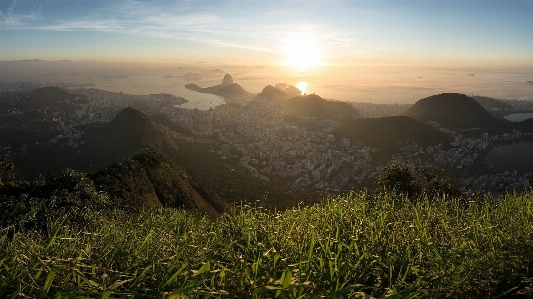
(303, 53)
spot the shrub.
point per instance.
(415, 182)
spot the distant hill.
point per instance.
(37, 110)
(270, 92)
(56, 97)
(387, 133)
(232, 90)
(216, 71)
(51, 92)
(195, 87)
(490, 103)
(227, 88)
(315, 106)
(455, 111)
(288, 89)
(147, 180)
(192, 77)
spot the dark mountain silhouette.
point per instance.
(455, 111)
(270, 93)
(226, 89)
(232, 90)
(525, 126)
(315, 106)
(195, 87)
(147, 180)
(387, 133)
(227, 80)
(288, 89)
(129, 133)
(490, 103)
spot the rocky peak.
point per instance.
(227, 80)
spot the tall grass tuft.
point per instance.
(349, 246)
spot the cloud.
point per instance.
(217, 25)
(12, 19)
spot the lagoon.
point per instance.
(515, 156)
(518, 117)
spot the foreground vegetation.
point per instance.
(348, 246)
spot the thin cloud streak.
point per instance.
(175, 21)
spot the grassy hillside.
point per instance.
(351, 246)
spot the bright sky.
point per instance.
(432, 33)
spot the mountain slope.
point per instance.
(455, 111)
(129, 133)
(490, 103)
(162, 119)
(147, 180)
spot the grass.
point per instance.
(349, 246)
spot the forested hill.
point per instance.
(147, 180)
(455, 111)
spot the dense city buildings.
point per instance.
(270, 144)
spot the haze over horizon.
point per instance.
(346, 50)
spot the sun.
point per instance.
(303, 52)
